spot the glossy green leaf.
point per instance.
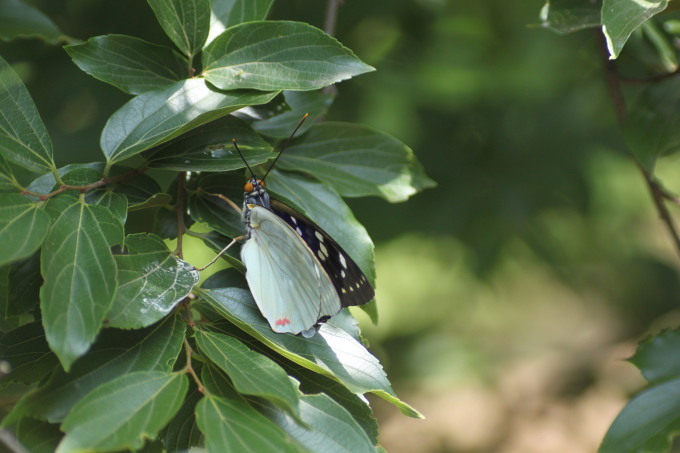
(114, 202)
(251, 373)
(331, 352)
(357, 161)
(226, 278)
(225, 13)
(79, 273)
(124, 412)
(23, 227)
(182, 432)
(212, 210)
(315, 103)
(151, 281)
(23, 136)
(311, 382)
(620, 18)
(651, 128)
(324, 206)
(128, 63)
(648, 422)
(567, 16)
(273, 55)
(186, 22)
(159, 115)
(115, 354)
(330, 428)
(6, 176)
(232, 425)
(210, 148)
(658, 358)
(38, 436)
(165, 222)
(18, 19)
(27, 352)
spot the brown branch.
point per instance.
(659, 195)
(179, 208)
(102, 182)
(190, 369)
(650, 79)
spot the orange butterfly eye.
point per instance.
(248, 187)
(260, 182)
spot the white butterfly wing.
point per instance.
(289, 285)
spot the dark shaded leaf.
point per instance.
(315, 103)
(567, 16)
(620, 18)
(128, 63)
(27, 352)
(210, 148)
(38, 436)
(17, 19)
(658, 358)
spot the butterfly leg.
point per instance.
(220, 254)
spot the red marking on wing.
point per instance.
(282, 321)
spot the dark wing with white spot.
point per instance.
(349, 281)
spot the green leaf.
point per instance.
(325, 207)
(124, 412)
(232, 425)
(210, 148)
(311, 382)
(251, 373)
(225, 13)
(159, 115)
(182, 433)
(620, 18)
(648, 422)
(116, 203)
(651, 128)
(130, 64)
(79, 273)
(315, 103)
(17, 19)
(115, 354)
(38, 436)
(657, 357)
(568, 16)
(214, 211)
(330, 428)
(23, 227)
(6, 177)
(357, 161)
(331, 352)
(27, 352)
(186, 22)
(278, 55)
(151, 281)
(23, 136)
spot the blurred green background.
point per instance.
(510, 294)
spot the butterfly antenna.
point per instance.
(285, 144)
(233, 140)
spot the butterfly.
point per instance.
(298, 275)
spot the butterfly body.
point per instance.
(298, 274)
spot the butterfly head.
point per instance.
(255, 193)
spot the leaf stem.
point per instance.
(190, 369)
(658, 193)
(233, 205)
(87, 187)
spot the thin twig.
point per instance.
(87, 187)
(650, 79)
(233, 205)
(190, 369)
(331, 19)
(659, 195)
(179, 209)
